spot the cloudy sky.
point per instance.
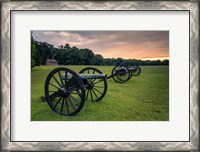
(112, 44)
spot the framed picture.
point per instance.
(109, 65)
(100, 75)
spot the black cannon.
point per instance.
(66, 90)
(122, 74)
(135, 70)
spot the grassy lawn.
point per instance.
(142, 98)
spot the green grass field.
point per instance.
(142, 98)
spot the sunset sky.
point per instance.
(113, 44)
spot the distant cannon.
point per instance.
(135, 70)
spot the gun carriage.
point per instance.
(66, 90)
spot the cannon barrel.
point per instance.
(86, 76)
(132, 68)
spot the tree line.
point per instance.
(67, 55)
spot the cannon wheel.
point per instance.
(96, 88)
(65, 96)
(122, 76)
(136, 72)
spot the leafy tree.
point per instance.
(165, 62)
(98, 59)
(88, 56)
(119, 61)
(67, 46)
(67, 55)
(44, 52)
(109, 61)
(61, 46)
(33, 52)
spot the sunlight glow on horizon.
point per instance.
(144, 59)
(151, 59)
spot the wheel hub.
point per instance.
(64, 91)
(90, 85)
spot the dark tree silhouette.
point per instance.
(67, 55)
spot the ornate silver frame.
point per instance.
(8, 6)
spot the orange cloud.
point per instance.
(135, 52)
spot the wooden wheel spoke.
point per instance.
(74, 99)
(98, 81)
(95, 93)
(65, 78)
(91, 95)
(54, 86)
(93, 80)
(97, 90)
(87, 94)
(60, 77)
(61, 110)
(67, 106)
(57, 102)
(54, 95)
(74, 86)
(117, 77)
(122, 76)
(99, 86)
(78, 91)
(71, 103)
(57, 81)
